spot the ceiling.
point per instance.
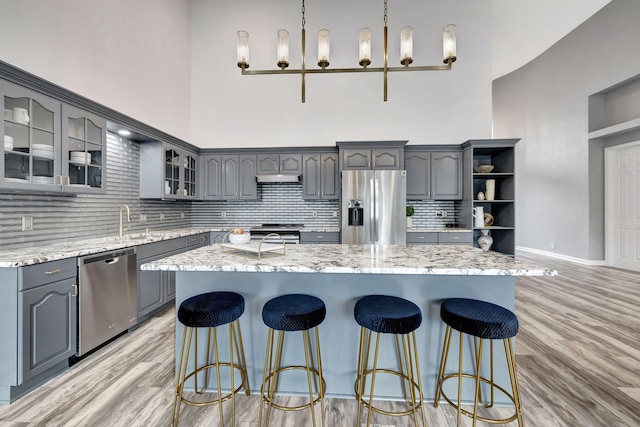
(523, 29)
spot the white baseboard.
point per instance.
(562, 257)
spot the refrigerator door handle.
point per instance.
(376, 209)
(372, 211)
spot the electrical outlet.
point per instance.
(181, 215)
(441, 214)
(223, 214)
(27, 223)
(314, 214)
(334, 214)
(161, 216)
(143, 217)
(553, 245)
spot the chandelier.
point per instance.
(364, 38)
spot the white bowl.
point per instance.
(240, 238)
(484, 169)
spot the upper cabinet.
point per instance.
(367, 155)
(434, 175)
(84, 144)
(378, 158)
(287, 164)
(49, 146)
(320, 176)
(229, 177)
(168, 172)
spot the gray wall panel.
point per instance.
(546, 103)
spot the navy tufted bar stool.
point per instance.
(484, 321)
(288, 313)
(381, 314)
(209, 311)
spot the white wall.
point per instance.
(560, 176)
(231, 110)
(130, 55)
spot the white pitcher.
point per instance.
(478, 215)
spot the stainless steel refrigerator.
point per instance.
(374, 207)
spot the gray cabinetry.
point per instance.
(156, 289)
(320, 176)
(320, 237)
(377, 158)
(239, 177)
(49, 326)
(288, 164)
(439, 238)
(168, 172)
(229, 177)
(38, 335)
(49, 146)
(84, 140)
(216, 237)
(435, 175)
(500, 210)
(212, 177)
(367, 155)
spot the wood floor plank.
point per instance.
(577, 352)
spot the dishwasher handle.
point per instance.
(108, 257)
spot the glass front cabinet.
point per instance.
(167, 172)
(49, 146)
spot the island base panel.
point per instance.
(339, 333)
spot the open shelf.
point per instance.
(628, 126)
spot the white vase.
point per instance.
(490, 189)
(484, 240)
(409, 222)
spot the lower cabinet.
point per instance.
(320, 237)
(439, 238)
(157, 289)
(49, 326)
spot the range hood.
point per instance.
(275, 178)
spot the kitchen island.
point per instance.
(340, 275)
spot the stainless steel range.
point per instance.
(289, 232)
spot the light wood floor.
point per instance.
(578, 355)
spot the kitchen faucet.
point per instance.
(122, 230)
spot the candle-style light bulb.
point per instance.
(243, 49)
(364, 46)
(406, 46)
(449, 44)
(283, 49)
(323, 48)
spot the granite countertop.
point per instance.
(365, 259)
(439, 230)
(36, 255)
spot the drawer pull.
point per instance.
(320, 237)
(75, 291)
(57, 270)
(420, 237)
(456, 238)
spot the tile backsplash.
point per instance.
(58, 218)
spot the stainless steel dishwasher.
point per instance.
(108, 297)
